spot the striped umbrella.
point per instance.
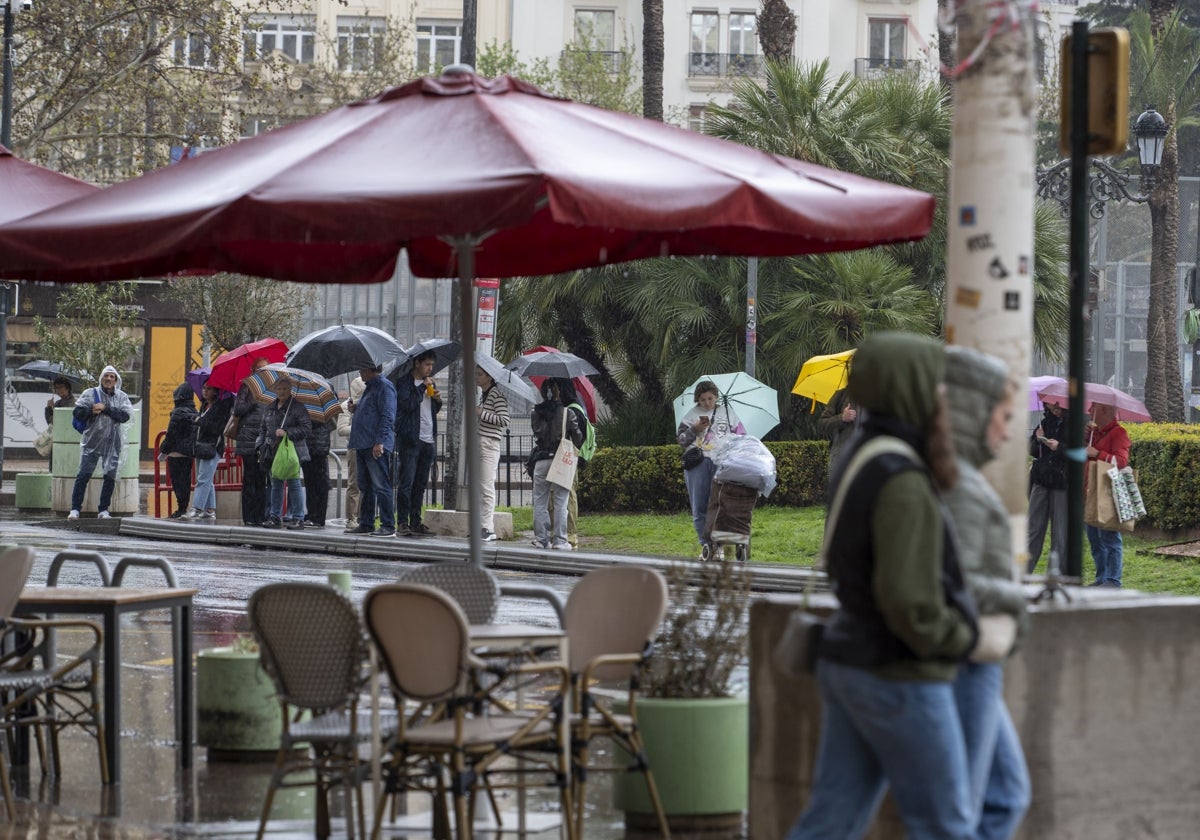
(310, 390)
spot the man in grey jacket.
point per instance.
(104, 410)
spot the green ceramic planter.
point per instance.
(699, 752)
(236, 707)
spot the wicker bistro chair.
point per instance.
(424, 640)
(474, 588)
(313, 648)
(39, 689)
(611, 617)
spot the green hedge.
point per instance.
(641, 479)
(649, 479)
(1167, 458)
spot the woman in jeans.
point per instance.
(704, 424)
(889, 655)
(209, 444)
(550, 418)
(286, 418)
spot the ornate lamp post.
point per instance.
(1107, 183)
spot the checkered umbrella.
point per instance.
(309, 389)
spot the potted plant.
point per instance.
(694, 720)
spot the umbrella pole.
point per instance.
(465, 249)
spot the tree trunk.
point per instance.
(945, 49)
(1164, 385)
(777, 31)
(989, 239)
(466, 53)
(652, 59)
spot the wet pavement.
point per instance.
(159, 799)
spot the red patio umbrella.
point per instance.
(28, 188)
(467, 174)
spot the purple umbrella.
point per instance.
(1037, 384)
(196, 378)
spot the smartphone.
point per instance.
(1043, 439)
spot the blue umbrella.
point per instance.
(755, 403)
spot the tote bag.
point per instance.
(286, 465)
(1099, 505)
(566, 460)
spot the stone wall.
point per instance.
(1105, 693)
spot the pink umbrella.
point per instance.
(28, 188)
(1128, 408)
(1038, 384)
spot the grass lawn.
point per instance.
(793, 535)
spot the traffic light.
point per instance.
(1108, 93)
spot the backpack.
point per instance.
(81, 425)
(589, 439)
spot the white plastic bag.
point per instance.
(742, 459)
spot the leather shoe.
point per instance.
(361, 529)
(382, 532)
(419, 530)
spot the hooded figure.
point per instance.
(178, 447)
(981, 410)
(889, 656)
(104, 409)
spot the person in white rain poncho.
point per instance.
(104, 410)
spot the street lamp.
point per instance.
(1107, 183)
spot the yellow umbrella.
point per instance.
(823, 376)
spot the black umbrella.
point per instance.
(40, 369)
(444, 350)
(555, 365)
(343, 349)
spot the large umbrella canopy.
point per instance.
(198, 378)
(823, 376)
(472, 176)
(344, 348)
(584, 388)
(1128, 407)
(231, 368)
(41, 369)
(755, 403)
(308, 388)
(554, 364)
(444, 351)
(27, 188)
(520, 395)
(551, 185)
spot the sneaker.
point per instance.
(361, 529)
(209, 514)
(539, 544)
(191, 514)
(351, 526)
(419, 530)
(103, 515)
(272, 522)
(488, 536)
(563, 546)
(248, 524)
(403, 531)
(73, 515)
(176, 515)
(308, 523)
(295, 524)
(382, 532)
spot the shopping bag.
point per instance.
(1100, 507)
(566, 459)
(232, 426)
(44, 443)
(286, 465)
(1126, 494)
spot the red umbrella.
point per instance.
(583, 386)
(231, 368)
(28, 188)
(471, 176)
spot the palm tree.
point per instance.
(652, 59)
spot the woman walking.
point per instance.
(552, 419)
(698, 432)
(493, 420)
(889, 655)
(209, 445)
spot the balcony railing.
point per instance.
(866, 68)
(724, 64)
(611, 60)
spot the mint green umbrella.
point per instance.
(755, 403)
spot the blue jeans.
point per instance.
(999, 779)
(87, 466)
(205, 495)
(548, 497)
(414, 460)
(295, 498)
(699, 484)
(375, 489)
(876, 732)
(1106, 553)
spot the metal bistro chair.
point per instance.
(424, 639)
(612, 617)
(38, 688)
(313, 648)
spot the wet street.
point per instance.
(156, 798)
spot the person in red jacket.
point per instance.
(1107, 440)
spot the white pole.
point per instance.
(989, 240)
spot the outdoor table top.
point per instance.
(63, 596)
